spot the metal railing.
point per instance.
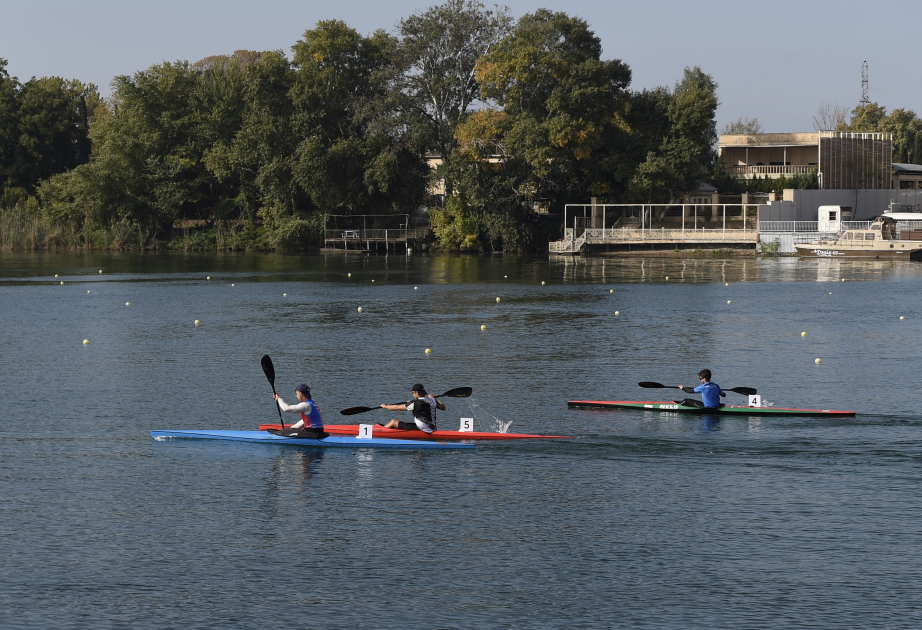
(808, 226)
(624, 234)
(777, 169)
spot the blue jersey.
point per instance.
(710, 394)
(312, 418)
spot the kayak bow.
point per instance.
(332, 441)
(416, 434)
(728, 410)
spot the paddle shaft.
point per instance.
(458, 392)
(745, 391)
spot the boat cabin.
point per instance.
(881, 229)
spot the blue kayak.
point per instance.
(340, 441)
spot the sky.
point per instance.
(776, 62)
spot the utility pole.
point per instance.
(865, 98)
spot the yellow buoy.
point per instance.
(542, 283)
(843, 279)
(87, 291)
(726, 284)
(428, 351)
(207, 277)
(483, 327)
(611, 290)
(803, 334)
(197, 322)
(62, 282)
(348, 275)
(901, 317)
(55, 275)
(667, 277)
(617, 312)
(818, 360)
(497, 299)
(86, 342)
(728, 301)
(372, 280)
(232, 285)
(100, 271)
(127, 303)
(360, 309)
(830, 293)
(416, 288)
(284, 295)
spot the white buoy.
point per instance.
(803, 334)
(542, 283)
(284, 295)
(483, 327)
(843, 279)
(818, 360)
(207, 277)
(86, 342)
(55, 275)
(667, 277)
(232, 285)
(901, 317)
(505, 276)
(726, 284)
(830, 293)
(428, 351)
(197, 322)
(416, 288)
(100, 271)
(728, 301)
(87, 291)
(372, 280)
(611, 290)
(62, 282)
(497, 299)
(617, 312)
(127, 303)
(360, 309)
(348, 275)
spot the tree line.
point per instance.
(249, 150)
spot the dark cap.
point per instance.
(419, 388)
(304, 389)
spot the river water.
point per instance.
(644, 520)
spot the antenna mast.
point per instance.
(865, 99)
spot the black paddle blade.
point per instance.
(458, 392)
(351, 411)
(745, 391)
(268, 368)
(652, 385)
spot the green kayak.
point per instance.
(727, 410)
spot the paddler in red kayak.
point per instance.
(710, 392)
(311, 421)
(424, 409)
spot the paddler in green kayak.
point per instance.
(710, 392)
(423, 407)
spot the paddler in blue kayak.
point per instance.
(710, 392)
(423, 407)
(311, 421)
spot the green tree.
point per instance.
(9, 127)
(439, 49)
(743, 126)
(353, 154)
(685, 157)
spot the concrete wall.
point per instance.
(870, 203)
(779, 211)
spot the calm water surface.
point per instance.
(644, 520)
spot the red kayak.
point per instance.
(415, 434)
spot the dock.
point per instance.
(368, 233)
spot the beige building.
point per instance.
(840, 159)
